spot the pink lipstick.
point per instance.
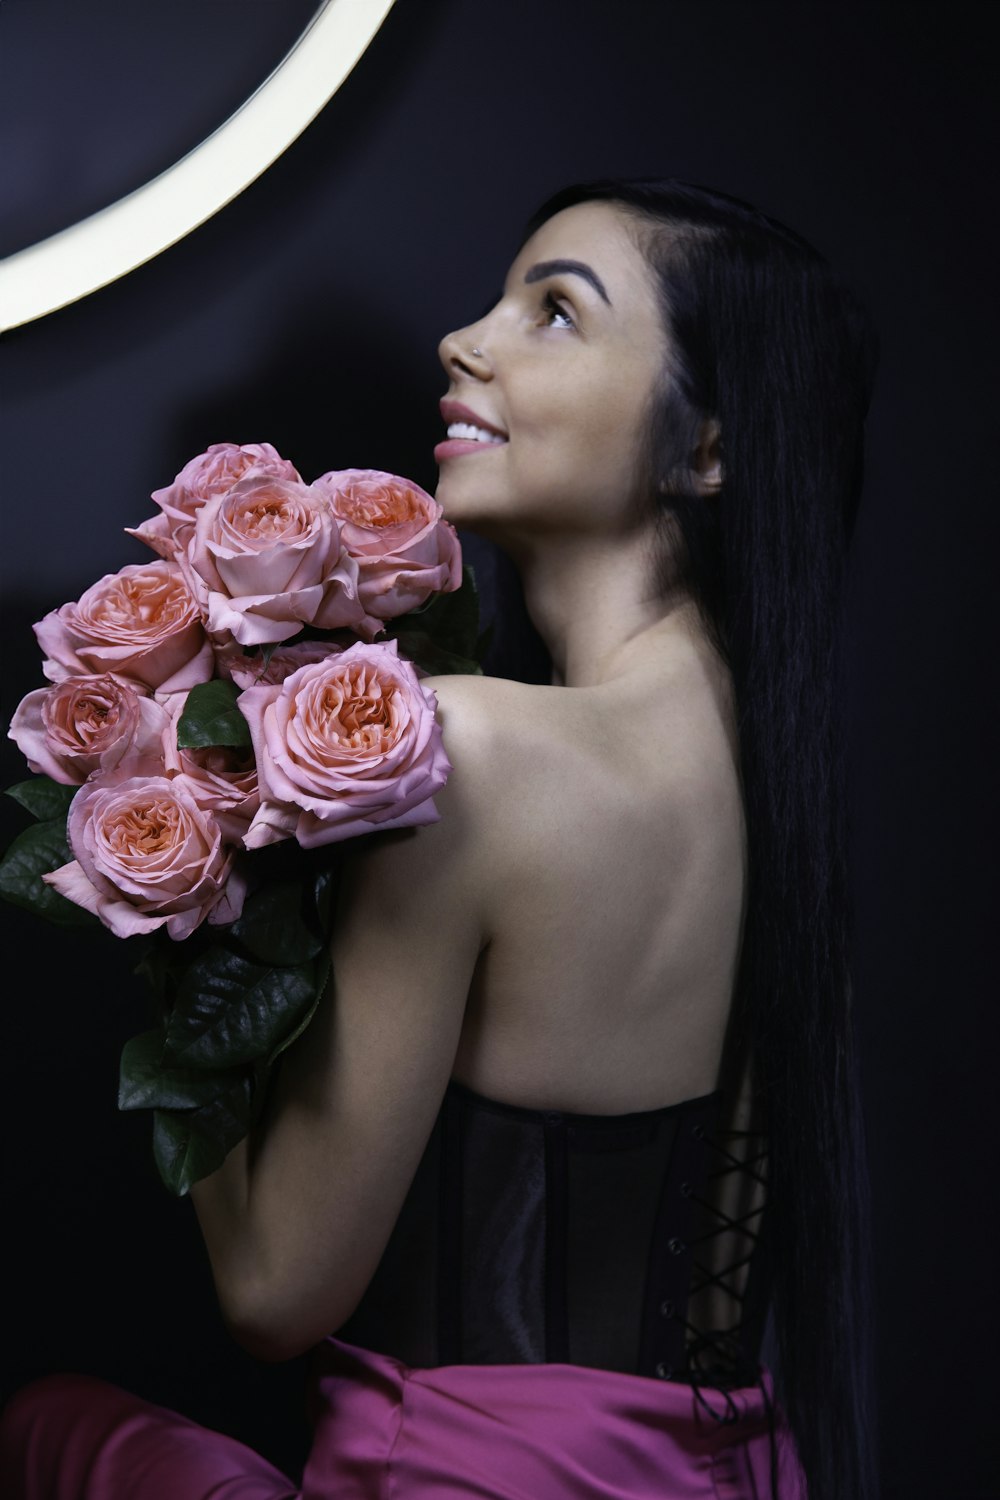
(452, 447)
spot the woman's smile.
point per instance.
(468, 432)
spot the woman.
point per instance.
(582, 1103)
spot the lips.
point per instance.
(455, 447)
(454, 411)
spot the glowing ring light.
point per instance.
(76, 261)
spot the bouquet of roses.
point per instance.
(217, 721)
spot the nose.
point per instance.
(461, 354)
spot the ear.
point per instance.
(706, 460)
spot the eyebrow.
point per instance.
(571, 268)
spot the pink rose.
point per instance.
(211, 473)
(343, 747)
(221, 778)
(141, 622)
(404, 549)
(249, 671)
(86, 724)
(147, 856)
(267, 558)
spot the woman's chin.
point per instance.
(460, 506)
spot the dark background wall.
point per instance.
(307, 314)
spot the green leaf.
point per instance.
(191, 1144)
(39, 850)
(443, 634)
(324, 894)
(145, 1081)
(44, 798)
(211, 717)
(159, 967)
(305, 1019)
(433, 657)
(272, 927)
(230, 1011)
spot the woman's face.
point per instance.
(546, 424)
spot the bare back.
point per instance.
(616, 846)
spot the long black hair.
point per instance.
(767, 339)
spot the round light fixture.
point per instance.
(76, 261)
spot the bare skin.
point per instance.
(567, 934)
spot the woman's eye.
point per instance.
(553, 308)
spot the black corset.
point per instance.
(627, 1242)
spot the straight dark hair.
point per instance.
(768, 340)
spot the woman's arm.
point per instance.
(297, 1217)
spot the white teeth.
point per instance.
(473, 434)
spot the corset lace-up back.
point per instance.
(632, 1242)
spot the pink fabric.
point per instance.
(384, 1431)
(74, 1437)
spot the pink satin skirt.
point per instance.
(384, 1431)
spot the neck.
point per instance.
(594, 609)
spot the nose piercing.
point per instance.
(478, 353)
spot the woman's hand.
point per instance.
(297, 1217)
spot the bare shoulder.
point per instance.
(483, 719)
(441, 866)
(531, 776)
(505, 740)
(554, 773)
(498, 740)
(549, 781)
(511, 739)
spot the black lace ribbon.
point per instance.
(723, 1371)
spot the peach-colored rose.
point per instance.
(86, 724)
(141, 622)
(222, 778)
(249, 671)
(147, 855)
(343, 747)
(405, 550)
(267, 558)
(208, 474)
